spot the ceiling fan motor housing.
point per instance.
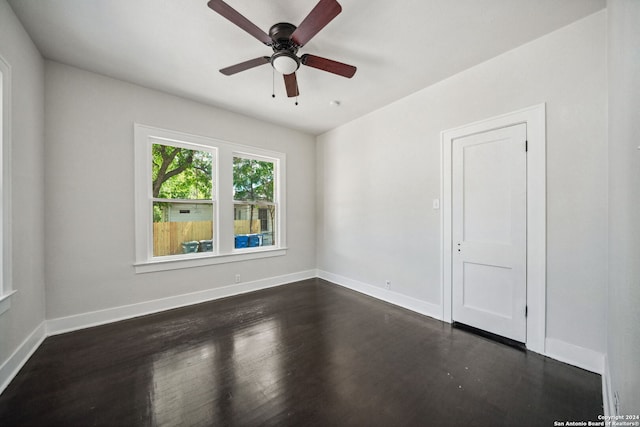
(284, 59)
(281, 33)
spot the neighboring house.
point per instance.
(188, 212)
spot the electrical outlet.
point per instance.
(237, 278)
(387, 284)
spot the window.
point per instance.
(183, 199)
(203, 201)
(255, 201)
(5, 197)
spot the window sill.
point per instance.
(181, 261)
(5, 301)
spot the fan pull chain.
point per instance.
(297, 91)
(273, 82)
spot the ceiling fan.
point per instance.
(285, 39)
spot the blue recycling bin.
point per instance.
(242, 241)
(254, 240)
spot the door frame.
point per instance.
(534, 118)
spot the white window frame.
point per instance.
(6, 285)
(223, 233)
(151, 140)
(276, 193)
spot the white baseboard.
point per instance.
(608, 402)
(101, 317)
(16, 361)
(581, 357)
(410, 303)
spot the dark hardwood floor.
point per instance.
(304, 354)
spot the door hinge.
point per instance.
(526, 311)
(526, 146)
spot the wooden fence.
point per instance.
(169, 236)
(241, 226)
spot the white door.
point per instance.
(489, 226)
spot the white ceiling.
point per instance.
(399, 47)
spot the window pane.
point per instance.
(253, 180)
(180, 228)
(254, 225)
(180, 173)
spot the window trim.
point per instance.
(224, 251)
(6, 277)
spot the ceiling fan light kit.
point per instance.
(285, 39)
(285, 62)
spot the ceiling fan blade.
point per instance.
(245, 65)
(234, 16)
(291, 84)
(317, 19)
(329, 65)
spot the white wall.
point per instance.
(90, 198)
(27, 204)
(623, 337)
(377, 177)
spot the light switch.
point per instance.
(436, 203)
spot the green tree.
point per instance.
(180, 173)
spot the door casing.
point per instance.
(534, 117)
